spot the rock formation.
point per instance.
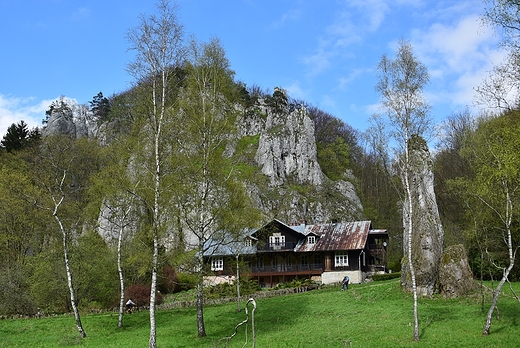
(428, 234)
(288, 183)
(286, 155)
(66, 117)
(455, 276)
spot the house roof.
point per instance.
(330, 237)
(337, 236)
(227, 245)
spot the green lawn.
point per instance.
(377, 314)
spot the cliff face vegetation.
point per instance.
(292, 186)
(276, 144)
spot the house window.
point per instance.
(311, 239)
(217, 264)
(317, 261)
(341, 259)
(304, 261)
(277, 241)
(289, 262)
(247, 242)
(260, 263)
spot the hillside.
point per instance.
(376, 314)
(279, 142)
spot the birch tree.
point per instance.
(116, 213)
(62, 170)
(501, 89)
(401, 84)
(158, 45)
(213, 201)
(493, 193)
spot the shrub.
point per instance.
(247, 287)
(14, 292)
(186, 281)
(140, 294)
(386, 276)
(220, 290)
(295, 283)
(168, 280)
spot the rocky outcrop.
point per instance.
(277, 143)
(455, 276)
(287, 148)
(68, 118)
(427, 231)
(60, 122)
(286, 154)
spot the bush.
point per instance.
(14, 292)
(140, 294)
(295, 283)
(186, 281)
(247, 287)
(386, 276)
(48, 283)
(94, 269)
(220, 290)
(168, 280)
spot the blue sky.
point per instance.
(325, 52)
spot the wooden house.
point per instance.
(278, 253)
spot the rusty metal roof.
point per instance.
(336, 236)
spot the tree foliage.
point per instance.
(213, 200)
(337, 143)
(100, 108)
(491, 193)
(400, 83)
(19, 136)
(503, 15)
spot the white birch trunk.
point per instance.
(200, 297)
(506, 271)
(69, 274)
(409, 241)
(121, 279)
(238, 285)
(156, 217)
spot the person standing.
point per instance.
(344, 283)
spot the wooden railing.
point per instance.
(277, 246)
(288, 268)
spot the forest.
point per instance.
(164, 164)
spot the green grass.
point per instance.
(377, 314)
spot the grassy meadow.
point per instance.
(376, 314)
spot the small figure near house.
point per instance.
(130, 306)
(344, 283)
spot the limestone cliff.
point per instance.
(288, 182)
(428, 234)
(294, 187)
(70, 119)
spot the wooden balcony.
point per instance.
(277, 247)
(288, 269)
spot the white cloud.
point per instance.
(80, 13)
(375, 11)
(355, 73)
(349, 26)
(14, 110)
(289, 16)
(458, 54)
(296, 91)
(318, 62)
